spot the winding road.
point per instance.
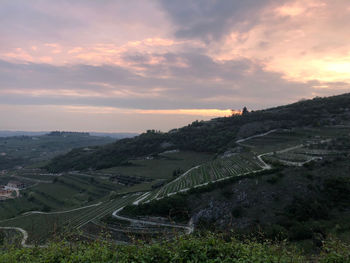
(189, 228)
(22, 231)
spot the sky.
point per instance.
(129, 66)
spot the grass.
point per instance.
(40, 227)
(35, 176)
(69, 191)
(161, 168)
(282, 139)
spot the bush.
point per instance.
(227, 192)
(204, 248)
(337, 189)
(175, 206)
(304, 210)
(237, 212)
(2, 238)
(275, 232)
(300, 232)
(272, 179)
(335, 251)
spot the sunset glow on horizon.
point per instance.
(165, 62)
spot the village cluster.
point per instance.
(11, 189)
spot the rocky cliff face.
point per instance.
(294, 193)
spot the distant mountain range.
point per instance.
(34, 133)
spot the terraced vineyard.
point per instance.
(216, 170)
(277, 140)
(40, 226)
(300, 155)
(291, 147)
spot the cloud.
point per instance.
(202, 84)
(162, 56)
(82, 118)
(210, 20)
(304, 41)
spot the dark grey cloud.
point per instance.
(209, 20)
(204, 83)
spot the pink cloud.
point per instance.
(312, 43)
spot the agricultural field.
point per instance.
(301, 155)
(41, 226)
(161, 167)
(324, 143)
(95, 194)
(276, 141)
(64, 192)
(218, 169)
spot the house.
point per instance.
(4, 192)
(14, 185)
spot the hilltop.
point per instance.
(215, 136)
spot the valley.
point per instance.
(167, 189)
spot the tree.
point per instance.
(245, 110)
(2, 238)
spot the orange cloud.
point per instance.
(290, 10)
(190, 112)
(313, 43)
(19, 54)
(197, 112)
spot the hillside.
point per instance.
(280, 173)
(25, 150)
(215, 136)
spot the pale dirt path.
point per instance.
(177, 179)
(189, 229)
(255, 136)
(24, 234)
(61, 212)
(32, 179)
(265, 166)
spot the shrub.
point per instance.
(300, 232)
(335, 251)
(272, 179)
(202, 248)
(238, 211)
(275, 232)
(303, 210)
(227, 192)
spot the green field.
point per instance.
(218, 169)
(68, 191)
(42, 226)
(163, 167)
(77, 189)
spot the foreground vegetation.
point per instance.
(207, 248)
